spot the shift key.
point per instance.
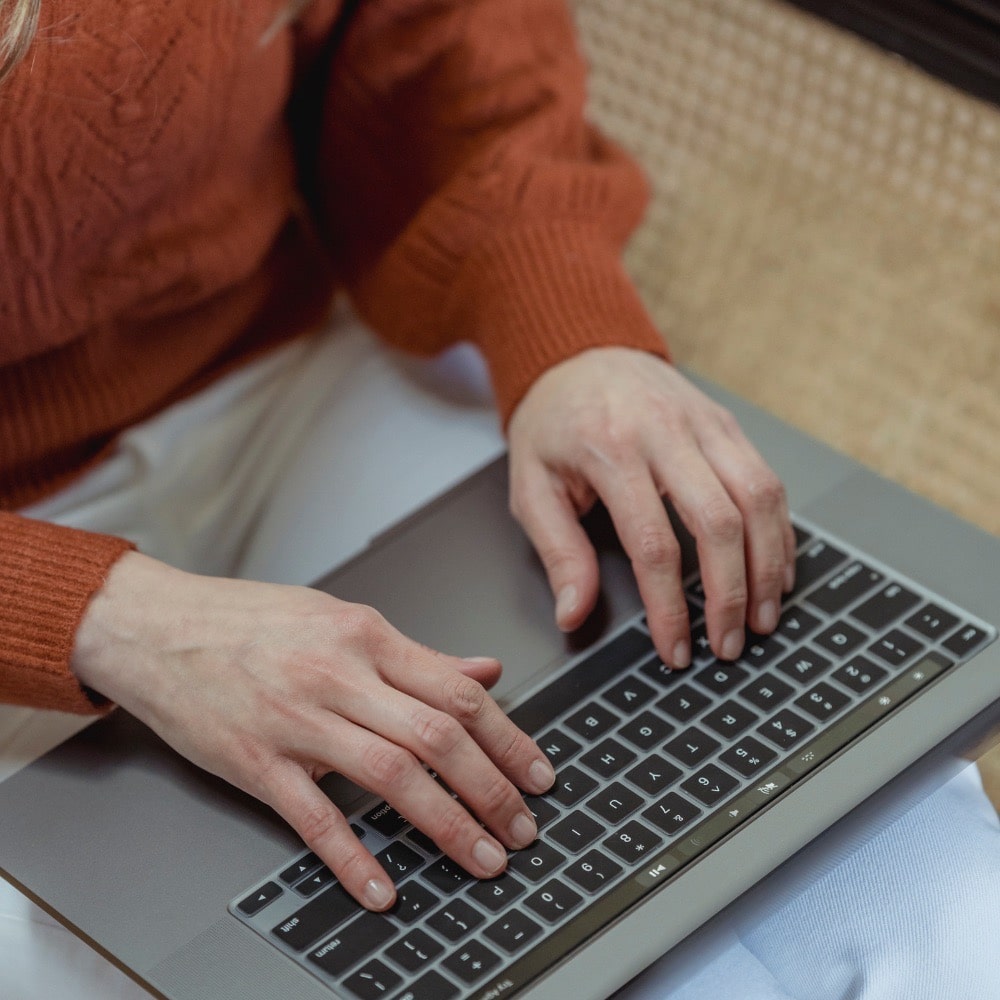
(316, 918)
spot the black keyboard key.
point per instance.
(413, 900)
(883, 608)
(965, 640)
(767, 692)
(454, 920)
(822, 702)
(657, 671)
(319, 880)
(421, 840)
(683, 703)
(593, 871)
(896, 648)
(385, 820)
(471, 962)
(513, 931)
(430, 986)
(748, 757)
(318, 917)
(614, 803)
(710, 784)
(496, 893)
(372, 981)
(633, 842)
(576, 832)
(804, 665)
(415, 951)
(447, 875)
(585, 679)
(542, 809)
(721, 677)
(259, 898)
(592, 721)
(571, 786)
(654, 775)
(761, 650)
(785, 729)
(608, 758)
(795, 624)
(932, 621)
(398, 860)
(558, 747)
(352, 943)
(629, 694)
(646, 730)
(306, 864)
(553, 901)
(672, 813)
(692, 746)
(729, 719)
(860, 674)
(844, 587)
(536, 862)
(839, 638)
(816, 560)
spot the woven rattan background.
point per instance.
(825, 232)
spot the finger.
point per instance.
(394, 773)
(709, 513)
(324, 829)
(768, 537)
(545, 510)
(640, 519)
(450, 722)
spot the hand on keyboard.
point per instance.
(628, 428)
(272, 687)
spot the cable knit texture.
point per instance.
(155, 233)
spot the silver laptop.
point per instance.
(676, 792)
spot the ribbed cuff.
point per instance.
(48, 575)
(540, 295)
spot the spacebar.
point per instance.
(584, 679)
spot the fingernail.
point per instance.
(541, 776)
(732, 644)
(489, 855)
(479, 659)
(378, 895)
(767, 616)
(789, 577)
(565, 604)
(522, 830)
(682, 655)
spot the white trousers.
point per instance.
(284, 469)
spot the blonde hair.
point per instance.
(19, 22)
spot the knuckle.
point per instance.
(450, 828)
(466, 699)
(319, 824)
(496, 795)
(361, 623)
(657, 547)
(387, 765)
(765, 492)
(733, 600)
(437, 734)
(727, 421)
(721, 521)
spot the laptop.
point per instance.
(676, 792)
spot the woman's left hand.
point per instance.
(626, 427)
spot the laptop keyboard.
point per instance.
(653, 767)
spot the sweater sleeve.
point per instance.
(465, 195)
(48, 574)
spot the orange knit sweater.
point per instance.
(186, 185)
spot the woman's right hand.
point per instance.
(271, 687)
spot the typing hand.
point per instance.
(271, 687)
(626, 427)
